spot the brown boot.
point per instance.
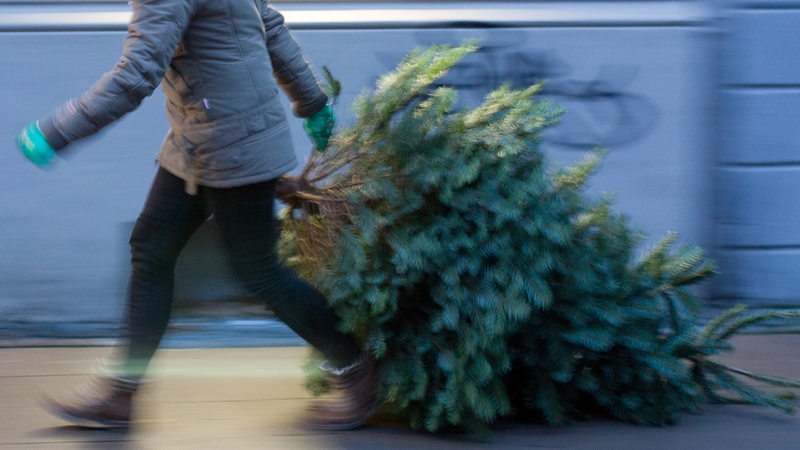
(354, 399)
(105, 403)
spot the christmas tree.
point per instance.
(484, 279)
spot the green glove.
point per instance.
(35, 147)
(319, 127)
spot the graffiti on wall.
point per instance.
(602, 110)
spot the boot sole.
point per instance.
(56, 409)
(346, 426)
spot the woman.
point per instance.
(221, 64)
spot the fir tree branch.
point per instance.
(775, 381)
(734, 326)
(749, 395)
(719, 321)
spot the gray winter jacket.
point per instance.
(220, 63)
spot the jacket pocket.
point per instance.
(255, 155)
(209, 136)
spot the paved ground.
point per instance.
(249, 398)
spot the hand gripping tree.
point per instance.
(483, 278)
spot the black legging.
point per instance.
(246, 220)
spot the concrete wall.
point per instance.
(636, 77)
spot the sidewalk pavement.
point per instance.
(252, 398)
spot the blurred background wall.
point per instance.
(758, 152)
(696, 102)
